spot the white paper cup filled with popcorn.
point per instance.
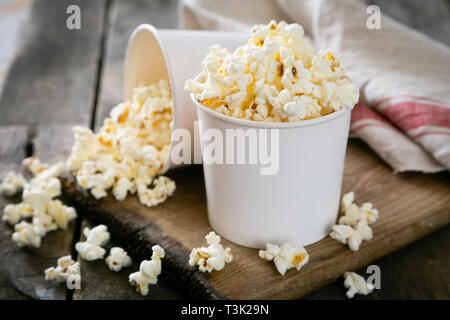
(274, 120)
(174, 56)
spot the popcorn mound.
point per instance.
(129, 150)
(275, 77)
(353, 227)
(39, 212)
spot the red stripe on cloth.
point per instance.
(380, 101)
(372, 124)
(412, 115)
(362, 112)
(430, 132)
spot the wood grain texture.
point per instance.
(12, 150)
(411, 206)
(52, 78)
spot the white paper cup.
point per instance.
(173, 55)
(300, 203)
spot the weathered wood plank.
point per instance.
(411, 206)
(12, 151)
(53, 76)
(50, 86)
(124, 17)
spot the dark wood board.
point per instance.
(411, 206)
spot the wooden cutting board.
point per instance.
(411, 206)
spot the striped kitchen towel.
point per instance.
(403, 76)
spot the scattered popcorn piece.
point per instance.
(98, 235)
(89, 251)
(353, 227)
(129, 150)
(213, 257)
(34, 165)
(118, 259)
(13, 213)
(356, 285)
(352, 236)
(148, 271)
(352, 213)
(163, 188)
(27, 235)
(66, 270)
(274, 77)
(285, 257)
(12, 183)
(95, 238)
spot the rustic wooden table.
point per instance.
(60, 78)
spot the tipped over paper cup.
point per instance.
(173, 55)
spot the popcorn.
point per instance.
(98, 235)
(148, 271)
(118, 259)
(95, 238)
(356, 285)
(129, 150)
(34, 165)
(61, 214)
(285, 257)
(27, 234)
(89, 251)
(274, 77)
(353, 226)
(352, 213)
(213, 257)
(163, 188)
(13, 213)
(66, 270)
(12, 183)
(38, 205)
(352, 236)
